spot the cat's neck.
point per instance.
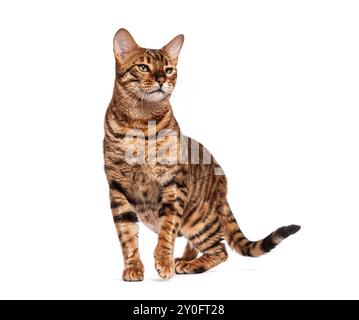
(136, 114)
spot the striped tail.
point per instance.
(237, 241)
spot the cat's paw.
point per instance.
(164, 267)
(180, 266)
(133, 274)
(188, 267)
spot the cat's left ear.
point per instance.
(174, 47)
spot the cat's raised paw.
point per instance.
(165, 268)
(133, 274)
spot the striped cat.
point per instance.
(173, 198)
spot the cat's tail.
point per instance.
(237, 241)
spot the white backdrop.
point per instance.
(270, 87)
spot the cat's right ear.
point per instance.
(123, 45)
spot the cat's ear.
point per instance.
(123, 45)
(174, 47)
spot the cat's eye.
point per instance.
(169, 70)
(143, 68)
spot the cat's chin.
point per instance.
(156, 96)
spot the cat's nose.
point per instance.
(161, 81)
(160, 78)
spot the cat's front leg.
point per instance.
(125, 218)
(164, 262)
(170, 216)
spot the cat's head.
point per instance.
(146, 74)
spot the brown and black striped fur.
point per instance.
(171, 199)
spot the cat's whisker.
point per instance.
(139, 97)
(143, 96)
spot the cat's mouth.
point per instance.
(159, 90)
(157, 94)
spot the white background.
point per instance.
(270, 87)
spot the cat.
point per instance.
(172, 198)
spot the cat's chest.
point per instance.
(146, 191)
(147, 181)
(149, 217)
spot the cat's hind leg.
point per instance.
(205, 235)
(209, 243)
(208, 260)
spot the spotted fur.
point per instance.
(171, 199)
